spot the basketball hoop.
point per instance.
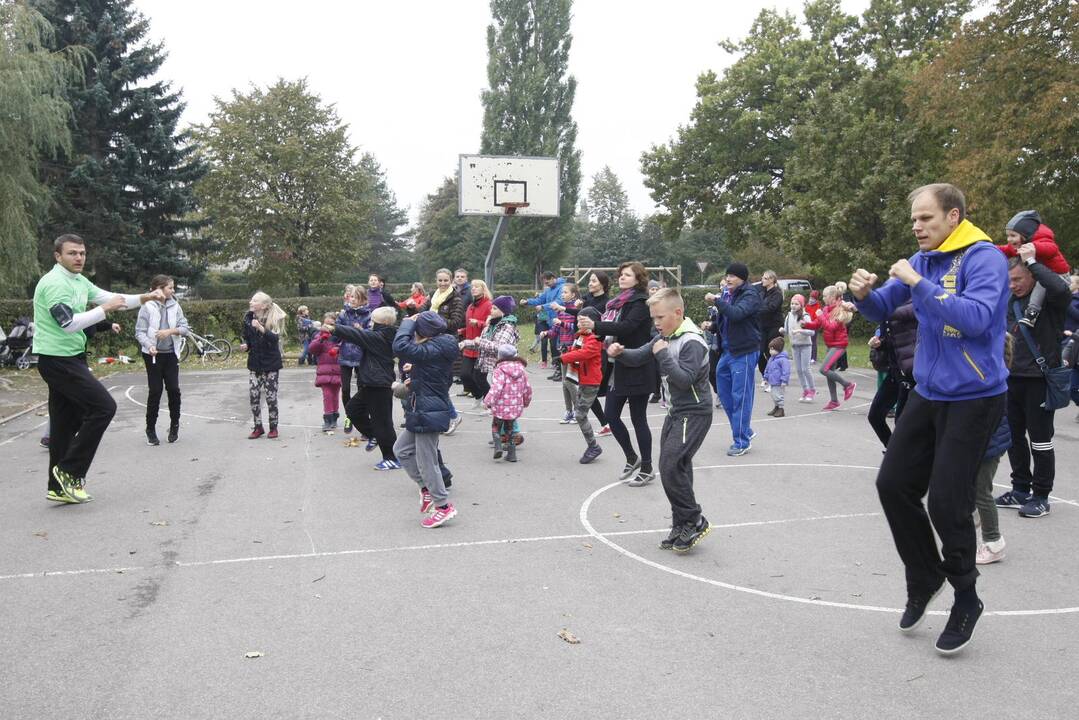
(510, 208)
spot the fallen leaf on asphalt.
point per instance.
(42, 534)
(160, 523)
(814, 597)
(569, 637)
(253, 654)
(587, 545)
(618, 514)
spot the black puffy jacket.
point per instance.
(376, 367)
(263, 348)
(428, 407)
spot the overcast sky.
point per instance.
(407, 76)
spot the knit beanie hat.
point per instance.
(1025, 223)
(506, 351)
(814, 294)
(429, 323)
(505, 304)
(739, 270)
(653, 284)
(800, 299)
(591, 313)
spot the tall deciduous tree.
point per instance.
(1006, 93)
(34, 116)
(127, 182)
(387, 245)
(528, 111)
(612, 231)
(285, 192)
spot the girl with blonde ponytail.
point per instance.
(263, 326)
(832, 322)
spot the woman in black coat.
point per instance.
(628, 322)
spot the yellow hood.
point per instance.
(965, 234)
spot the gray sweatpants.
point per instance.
(418, 455)
(680, 439)
(585, 396)
(801, 363)
(777, 394)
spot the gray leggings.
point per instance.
(831, 358)
(586, 395)
(802, 355)
(983, 500)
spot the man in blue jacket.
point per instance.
(740, 334)
(959, 288)
(552, 293)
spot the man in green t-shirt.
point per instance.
(80, 408)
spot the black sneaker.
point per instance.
(914, 613)
(174, 432)
(667, 543)
(960, 629)
(151, 437)
(691, 535)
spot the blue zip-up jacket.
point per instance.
(352, 354)
(427, 408)
(961, 304)
(544, 299)
(739, 329)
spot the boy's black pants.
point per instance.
(680, 439)
(936, 448)
(371, 413)
(80, 410)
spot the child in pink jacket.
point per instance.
(508, 397)
(325, 348)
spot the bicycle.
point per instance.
(206, 347)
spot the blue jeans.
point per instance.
(303, 353)
(736, 386)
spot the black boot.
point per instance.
(327, 422)
(151, 436)
(174, 431)
(779, 413)
(511, 451)
(498, 444)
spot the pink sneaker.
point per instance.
(543, 365)
(604, 431)
(832, 405)
(426, 501)
(848, 391)
(439, 516)
(812, 395)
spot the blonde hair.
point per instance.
(669, 297)
(838, 312)
(330, 318)
(384, 315)
(302, 309)
(272, 317)
(574, 290)
(418, 287)
(486, 290)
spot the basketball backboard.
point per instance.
(489, 184)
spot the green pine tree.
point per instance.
(126, 184)
(528, 111)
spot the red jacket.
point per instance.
(586, 357)
(326, 348)
(477, 311)
(1046, 250)
(834, 332)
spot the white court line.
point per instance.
(24, 433)
(603, 538)
(243, 421)
(405, 548)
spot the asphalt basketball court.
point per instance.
(148, 601)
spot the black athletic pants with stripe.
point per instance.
(80, 410)
(1027, 418)
(936, 449)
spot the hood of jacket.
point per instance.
(514, 368)
(965, 234)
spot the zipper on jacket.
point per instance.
(973, 364)
(685, 422)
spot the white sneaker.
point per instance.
(764, 385)
(567, 419)
(989, 553)
(454, 422)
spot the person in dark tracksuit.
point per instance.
(740, 335)
(371, 409)
(682, 356)
(958, 286)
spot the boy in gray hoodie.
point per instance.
(682, 356)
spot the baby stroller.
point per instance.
(15, 348)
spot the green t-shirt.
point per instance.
(56, 287)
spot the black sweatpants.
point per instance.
(371, 413)
(468, 380)
(347, 371)
(479, 379)
(80, 410)
(680, 439)
(891, 393)
(936, 448)
(162, 371)
(1027, 419)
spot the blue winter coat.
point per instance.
(739, 329)
(428, 407)
(778, 369)
(544, 299)
(961, 304)
(352, 354)
(1001, 440)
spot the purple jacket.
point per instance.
(778, 369)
